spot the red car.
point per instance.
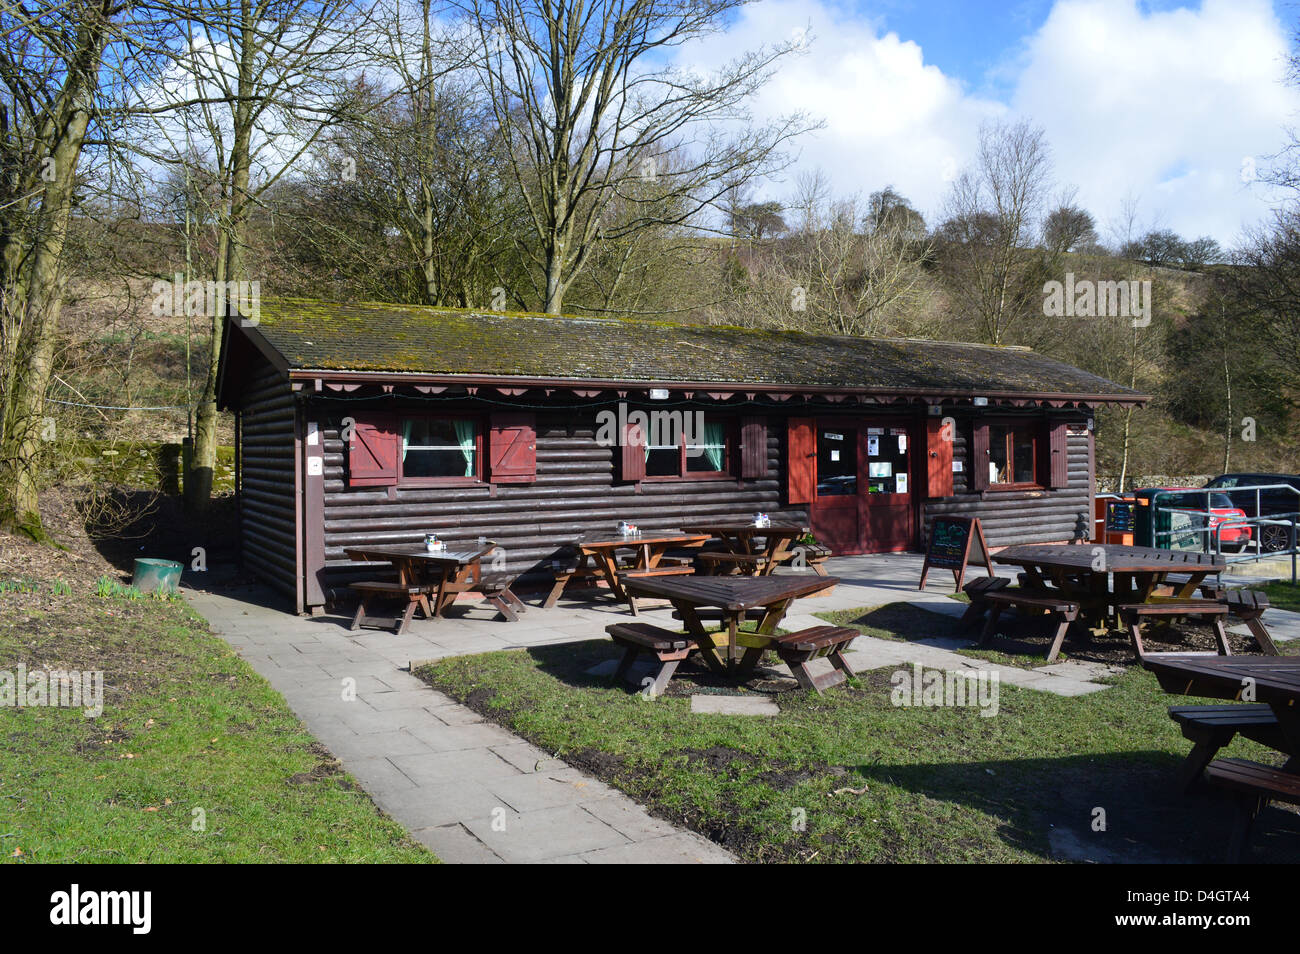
(1191, 501)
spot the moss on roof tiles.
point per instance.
(314, 335)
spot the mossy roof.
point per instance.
(371, 337)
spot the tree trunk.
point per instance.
(38, 310)
(1227, 431)
(554, 280)
(231, 267)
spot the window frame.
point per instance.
(730, 468)
(1036, 433)
(479, 430)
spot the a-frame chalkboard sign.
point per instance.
(955, 543)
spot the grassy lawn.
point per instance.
(870, 780)
(186, 725)
(1283, 594)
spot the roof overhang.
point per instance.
(332, 381)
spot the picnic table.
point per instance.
(1083, 573)
(1274, 681)
(743, 551)
(599, 556)
(1266, 709)
(422, 573)
(734, 599)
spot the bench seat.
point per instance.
(669, 647)
(1062, 611)
(415, 594)
(1247, 606)
(1253, 786)
(976, 589)
(799, 648)
(1132, 615)
(1210, 728)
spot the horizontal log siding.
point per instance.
(267, 512)
(1014, 517)
(577, 490)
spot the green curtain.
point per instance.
(715, 442)
(465, 435)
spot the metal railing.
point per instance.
(1280, 529)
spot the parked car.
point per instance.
(1272, 503)
(1189, 503)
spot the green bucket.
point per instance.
(156, 575)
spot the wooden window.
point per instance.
(695, 453)
(801, 459)
(1018, 455)
(439, 449)
(512, 448)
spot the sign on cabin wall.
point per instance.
(955, 543)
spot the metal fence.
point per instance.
(1272, 536)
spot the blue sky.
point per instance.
(1168, 105)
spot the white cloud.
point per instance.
(1165, 105)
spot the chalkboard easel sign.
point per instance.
(955, 543)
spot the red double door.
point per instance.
(860, 491)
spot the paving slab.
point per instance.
(713, 704)
(532, 836)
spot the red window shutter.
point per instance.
(373, 451)
(801, 466)
(938, 458)
(979, 457)
(753, 447)
(512, 448)
(1059, 457)
(633, 461)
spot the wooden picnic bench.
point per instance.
(798, 649)
(976, 590)
(730, 600)
(1253, 786)
(1061, 610)
(1247, 606)
(743, 553)
(416, 596)
(428, 580)
(1273, 681)
(1210, 728)
(637, 638)
(1132, 615)
(605, 556)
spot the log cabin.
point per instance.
(367, 423)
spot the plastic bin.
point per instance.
(156, 576)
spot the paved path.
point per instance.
(474, 792)
(470, 791)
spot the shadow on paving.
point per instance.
(1146, 818)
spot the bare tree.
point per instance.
(847, 269)
(50, 67)
(587, 107)
(261, 80)
(989, 259)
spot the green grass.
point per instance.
(874, 781)
(187, 725)
(1283, 595)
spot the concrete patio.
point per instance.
(473, 792)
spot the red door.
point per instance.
(862, 501)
